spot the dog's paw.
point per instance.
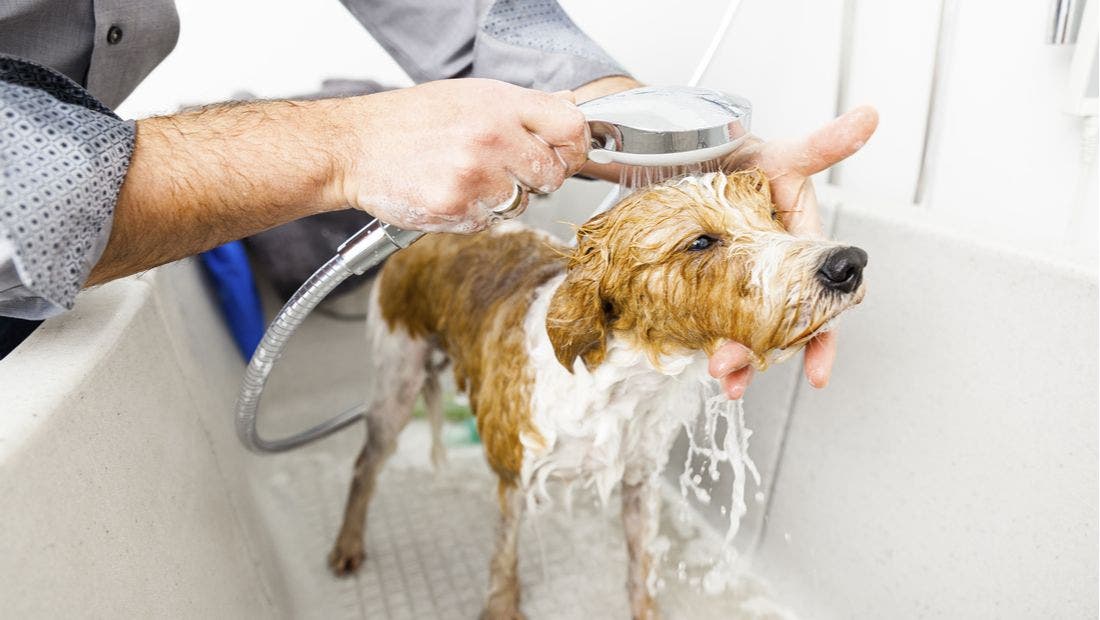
(346, 558)
(643, 606)
(503, 615)
(499, 613)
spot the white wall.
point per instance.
(271, 48)
(1007, 156)
(1004, 157)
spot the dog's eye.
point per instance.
(775, 215)
(702, 243)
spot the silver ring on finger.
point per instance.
(514, 205)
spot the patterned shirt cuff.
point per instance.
(63, 157)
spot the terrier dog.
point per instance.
(581, 364)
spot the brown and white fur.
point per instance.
(582, 363)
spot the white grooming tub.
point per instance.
(949, 470)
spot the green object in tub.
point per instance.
(471, 425)
(455, 412)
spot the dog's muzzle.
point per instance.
(842, 270)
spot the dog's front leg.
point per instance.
(641, 512)
(503, 601)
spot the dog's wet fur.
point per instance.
(559, 346)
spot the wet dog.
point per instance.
(581, 364)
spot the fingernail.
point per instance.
(722, 369)
(818, 378)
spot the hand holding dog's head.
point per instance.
(689, 263)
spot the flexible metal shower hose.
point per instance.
(365, 249)
(271, 348)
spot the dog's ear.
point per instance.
(577, 320)
(747, 184)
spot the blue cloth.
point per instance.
(229, 272)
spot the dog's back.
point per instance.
(468, 295)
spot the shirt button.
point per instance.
(114, 35)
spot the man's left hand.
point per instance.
(789, 165)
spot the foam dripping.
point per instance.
(716, 446)
(716, 438)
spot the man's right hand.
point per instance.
(441, 156)
(437, 157)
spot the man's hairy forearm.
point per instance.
(429, 157)
(201, 178)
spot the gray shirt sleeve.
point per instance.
(63, 157)
(531, 43)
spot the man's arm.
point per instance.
(438, 156)
(531, 43)
(202, 178)
(63, 156)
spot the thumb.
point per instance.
(832, 143)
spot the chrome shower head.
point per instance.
(665, 125)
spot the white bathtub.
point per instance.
(949, 470)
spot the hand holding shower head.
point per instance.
(654, 127)
(665, 126)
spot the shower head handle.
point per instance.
(663, 125)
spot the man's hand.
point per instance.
(789, 165)
(439, 156)
(442, 155)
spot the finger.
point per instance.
(831, 144)
(538, 167)
(728, 358)
(555, 120)
(514, 206)
(735, 383)
(606, 172)
(820, 354)
(573, 157)
(796, 201)
(573, 154)
(497, 195)
(568, 95)
(746, 155)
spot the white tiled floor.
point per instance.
(429, 538)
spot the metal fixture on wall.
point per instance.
(944, 38)
(1065, 19)
(843, 73)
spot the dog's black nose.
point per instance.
(843, 269)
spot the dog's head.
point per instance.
(689, 263)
